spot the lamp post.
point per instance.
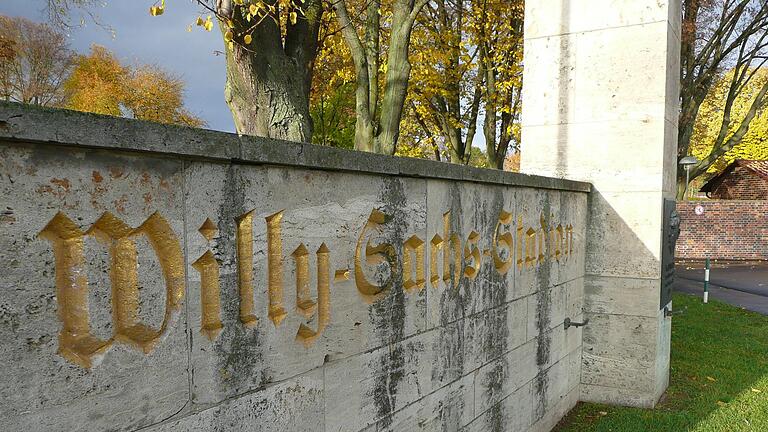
(687, 162)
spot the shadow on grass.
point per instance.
(718, 377)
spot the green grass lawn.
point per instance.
(718, 377)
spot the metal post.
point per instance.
(706, 281)
(687, 162)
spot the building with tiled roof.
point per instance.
(741, 180)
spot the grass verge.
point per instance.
(718, 377)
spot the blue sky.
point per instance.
(164, 41)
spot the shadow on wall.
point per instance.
(626, 344)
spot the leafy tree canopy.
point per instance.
(34, 61)
(754, 144)
(100, 84)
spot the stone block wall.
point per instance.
(164, 279)
(601, 104)
(727, 230)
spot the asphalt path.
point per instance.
(740, 284)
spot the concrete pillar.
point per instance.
(601, 105)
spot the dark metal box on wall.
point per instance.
(669, 239)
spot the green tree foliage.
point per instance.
(332, 98)
(333, 116)
(478, 159)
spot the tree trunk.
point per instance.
(681, 186)
(398, 73)
(735, 41)
(268, 81)
(374, 133)
(267, 95)
(458, 150)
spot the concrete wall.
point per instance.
(726, 230)
(601, 103)
(165, 279)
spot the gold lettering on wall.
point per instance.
(123, 277)
(167, 248)
(504, 240)
(434, 249)
(244, 237)
(552, 233)
(76, 343)
(373, 255)
(472, 256)
(451, 252)
(413, 256)
(208, 230)
(210, 297)
(341, 275)
(530, 248)
(210, 321)
(304, 304)
(520, 242)
(543, 236)
(306, 335)
(277, 311)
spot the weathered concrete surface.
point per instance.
(40, 389)
(293, 298)
(601, 105)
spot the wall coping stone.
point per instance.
(57, 127)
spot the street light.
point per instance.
(687, 162)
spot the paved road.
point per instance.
(739, 284)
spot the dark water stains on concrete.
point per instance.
(455, 296)
(543, 323)
(388, 315)
(449, 354)
(493, 291)
(239, 350)
(9, 318)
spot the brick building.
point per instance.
(741, 180)
(724, 230)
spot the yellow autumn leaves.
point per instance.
(157, 10)
(207, 24)
(254, 14)
(101, 84)
(709, 122)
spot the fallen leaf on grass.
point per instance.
(603, 413)
(754, 390)
(711, 379)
